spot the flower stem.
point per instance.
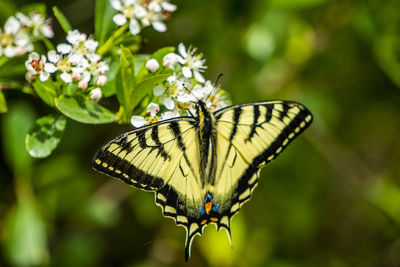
(110, 41)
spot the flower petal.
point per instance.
(182, 50)
(134, 27)
(44, 76)
(198, 76)
(50, 68)
(186, 72)
(116, 4)
(159, 26)
(119, 19)
(137, 121)
(66, 77)
(158, 90)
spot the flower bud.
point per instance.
(101, 80)
(96, 94)
(152, 65)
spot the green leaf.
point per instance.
(7, 9)
(110, 87)
(124, 92)
(103, 20)
(145, 87)
(25, 235)
(46, 91)
(85, 111)
(3, 103)
(15, 126)
(45, 135)
(34, 8)
(140, 62)
(14, 67)
(294, 4)
(65, 25)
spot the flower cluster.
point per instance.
(20, 30)
(177, 95)
(142, 13)
(75, 62)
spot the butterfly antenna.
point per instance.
(190, 92)
(215, 85)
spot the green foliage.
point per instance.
(64, 23)
(45, 135)
(3, 103)
(82, 110)
(46, 91)
(25, 242)
(103, 20)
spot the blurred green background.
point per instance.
(331, 199)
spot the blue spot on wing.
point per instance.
(201, 211)
(215, 208)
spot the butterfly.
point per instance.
(204, 167)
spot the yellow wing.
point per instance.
(248, 137)
(162, 157)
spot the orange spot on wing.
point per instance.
(204, 221)
(213, 219)
(208, 207)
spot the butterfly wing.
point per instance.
(248, 137)
(164, 158)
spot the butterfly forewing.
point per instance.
(162, 157)
(249, 136)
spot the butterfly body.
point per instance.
(203, 168)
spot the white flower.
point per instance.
(50, 68)
(66, 77)
(93, 57)
(159, 26)
(170, 114)
(64, 48)
(193, 64)
(25, 20)
(47, 31)
(10, 51)
(91, 45)
(44, 76)
(170, 60)
(74, 37)
(152, 65)
(53, 57)
(134, 27)
(21, 39)
(186, 98)
(12, 25)
(168, 102)
(96, 94)
(116, 4)
(120, 19)
(153, 109)
(167, 6)
(158, 90)
(138, 121)
(35, 63)
(171, 79)
(142, 13)
(101, 80)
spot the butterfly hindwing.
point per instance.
(248, 137)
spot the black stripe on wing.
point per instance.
(248, 181)
(110, 164)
